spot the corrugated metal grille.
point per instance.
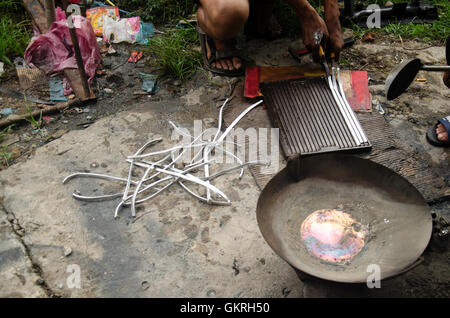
(308, 117)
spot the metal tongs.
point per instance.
(334, 82)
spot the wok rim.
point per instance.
(395, 273)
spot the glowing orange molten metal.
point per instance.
(332, 235)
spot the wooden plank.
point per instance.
(37, 12)
(385, 151)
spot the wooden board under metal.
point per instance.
(308, 117)
(385, 148)
(36, 9)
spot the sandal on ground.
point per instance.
(217, 55)
(431, 133)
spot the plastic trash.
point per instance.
(146, 31)
(60, 14)
(56, 89)
(97, 15)
(30, 77)
(149, 82)
(52, 52)
(378, 106)
(135, 56)
(124, 30)
(5, 112)
(2, 68)
(101, 4)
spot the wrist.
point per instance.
(333, 25)
(332, 12)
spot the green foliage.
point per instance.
(15, 31)
(37, 124)
(11, 6)
(175, 52)
(5, 155)
(5, 132)
(159, 11)
(437, 30)
(287, 19)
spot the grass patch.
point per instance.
(15, 30)
(5, 155)
(36, 123)
(287, 19)
(175, 52)
(4, 133)
(434, 31)
(159, 11)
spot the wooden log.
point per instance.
(12, 119)
(50, 14)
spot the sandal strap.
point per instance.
(199, 29)
(225, 54)
(446, 123)
(215, 54)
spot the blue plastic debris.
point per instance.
(56, 89)
(5, 112)
(101, 4)
(149, 83)
(146, 31)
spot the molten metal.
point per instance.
(332, 235)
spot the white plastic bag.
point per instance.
(124, 30)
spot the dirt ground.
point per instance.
(183, 248)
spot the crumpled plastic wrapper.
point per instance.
(53, 52)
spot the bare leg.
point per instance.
(222, 20)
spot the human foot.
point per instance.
(233, 63)
(441, 133)
(437, 134)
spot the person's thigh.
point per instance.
(222, 19)
(215, 7)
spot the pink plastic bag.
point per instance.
(53, 51)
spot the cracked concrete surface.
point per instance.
(179, 247)
(19, 277)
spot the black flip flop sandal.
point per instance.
(217, 55)
(431, 133)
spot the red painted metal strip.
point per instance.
(360, 99)
(252, 77)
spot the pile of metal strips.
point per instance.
(313, 115)
(335, 84)
(160, 174)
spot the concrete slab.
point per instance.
(18, 275)
(177, 247)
